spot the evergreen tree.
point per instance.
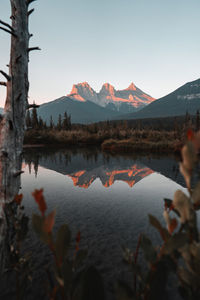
(44, 125)
(59, 124)
(28, 120)
(34, 118)
(66, 124)
(69, 123)
(51, 124)
(40, 123)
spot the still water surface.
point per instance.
(106, 197)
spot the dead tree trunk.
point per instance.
(12, 125)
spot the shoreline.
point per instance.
(117, 147)
(118, 142)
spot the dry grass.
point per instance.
(111, 140)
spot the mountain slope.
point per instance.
(185, 99)
(81, 112)
(124, 101)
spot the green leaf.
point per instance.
(67, 273)
(149, 251)
(187, 277)
(176, 241)
(163, 231)
(63, 239)
(38, 226)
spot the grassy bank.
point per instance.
(110, 140)
(131, 145)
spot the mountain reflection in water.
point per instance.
(106, 197)
(84, 167)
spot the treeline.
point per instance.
(33, 122)
(177, 124)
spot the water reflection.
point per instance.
(85, 166)
(106, 197)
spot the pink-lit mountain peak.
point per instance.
(132, 87)
(107, 88)
(131, 98)
(82, 92)
(81, 86)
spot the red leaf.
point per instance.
(49, 222)
(190, 134)
(172, 226)
(78, 237)
(18, 199)
(39, 199)
(171, 207)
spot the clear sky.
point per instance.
(154, 43)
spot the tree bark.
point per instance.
(12, 125)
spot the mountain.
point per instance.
(123, 101)
(81, 111)
(185, 99)
(86, 106)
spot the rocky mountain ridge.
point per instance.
(127, 100)
(184, 99)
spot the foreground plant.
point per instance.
(71, 280)
(18, 264)
(179, 253)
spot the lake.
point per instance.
(108, 198)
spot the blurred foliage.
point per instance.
(71, 281)
(179, 253)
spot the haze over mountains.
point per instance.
(87, 106)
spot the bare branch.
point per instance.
(5, 75)
(6, 30)
(32, 106)
(33, 48)
(7, 25)
(29, 1)
(3, 83)
(30, 12)
(17, 173)
(30, 35)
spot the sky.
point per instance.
(153, 43)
